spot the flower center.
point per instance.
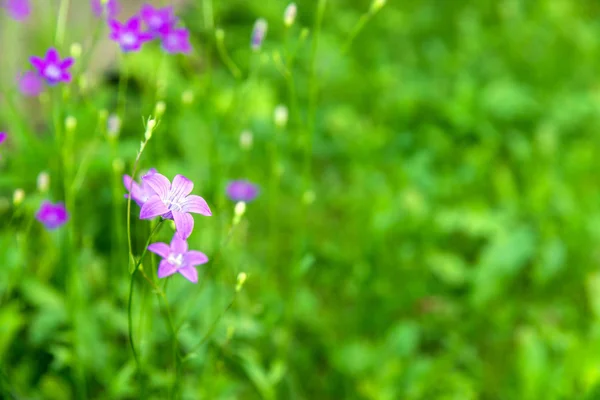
(128, 39)
(52, 72)
(173, 206)
(175, 259)
(172, 40)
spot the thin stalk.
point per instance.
(61, 21)
(366, 17)
(225, 57)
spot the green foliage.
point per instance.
(434, 237)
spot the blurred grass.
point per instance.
(449, 253)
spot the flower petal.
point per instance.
(178, 244)
(159, 183)
(65, 77)
(153, 208)
(184, 223)
(66, 63)
(37, 62)
(165, 269)
(162, 249)
(52, 56)
(196, 204)
(181, 187)
(133, 24)
(189, 273)
(193, 258)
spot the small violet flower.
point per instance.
(111, 8)
(173, 201)
(51, 68)
(128, 35)
(140, 193)
(30, 84)
(177, 258)
(175, 40)
(157, 18)
(242, 190)
(52, 215)
(3, 137)
(17, 9)
(259, 31)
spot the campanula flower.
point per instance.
(3, 137)
(140, 193)
(129, 35)
(52, 215)
(30, 84)
(242, 190)
(175, 40)
(157, 18)
(110, 9)
(173, 201)
(177, 258)
(17, 9)
(258, 34)
(52, 68)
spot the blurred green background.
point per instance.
(439, 242)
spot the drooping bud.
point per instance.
(289, 15)
(43, 182)
(258, 34)
(18, 196)
(150, 128)
(238, 212)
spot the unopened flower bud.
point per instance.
(241, 279)
(113, 126)
(246, 140)
(281, 116)
(219, 34)
(160, 108)
(238, 212)
(70, 123)
(150, 128)
(187, 97)
(258, 34)
(18, 196)
(308, 197)
(43, 182)
(289, 15)
(75, 50)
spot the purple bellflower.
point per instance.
(30, 84)
(52, 68)
(157, 18)
(177, 258)
(175, 40)
(129, 35)
(140, 193)
(17, 9)
(3, 137)
(242, 190)
(173, 201)
(110, 9)
(52, 215)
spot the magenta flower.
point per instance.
(175, 40)
(140, 193)
(177, 258)
(52, 215)
(17, 9)
(3, 137)
(110, 9)
(30, 84)
(128, 35)
(173, 201)
(242, 190)
(51, 68)
(157, 18)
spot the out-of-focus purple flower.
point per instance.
(140, 193)
(175, 40)
(110, 9)
(157, 18)
(17, 9)
(129, 35)
(3, 137)
(173, 201)
(52, 68)
(177, 258)
(258, 34)
(30, 84)
(52, 215)
(242, 190)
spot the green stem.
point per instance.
(358, 28)
(61, 21)
(227, 60)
